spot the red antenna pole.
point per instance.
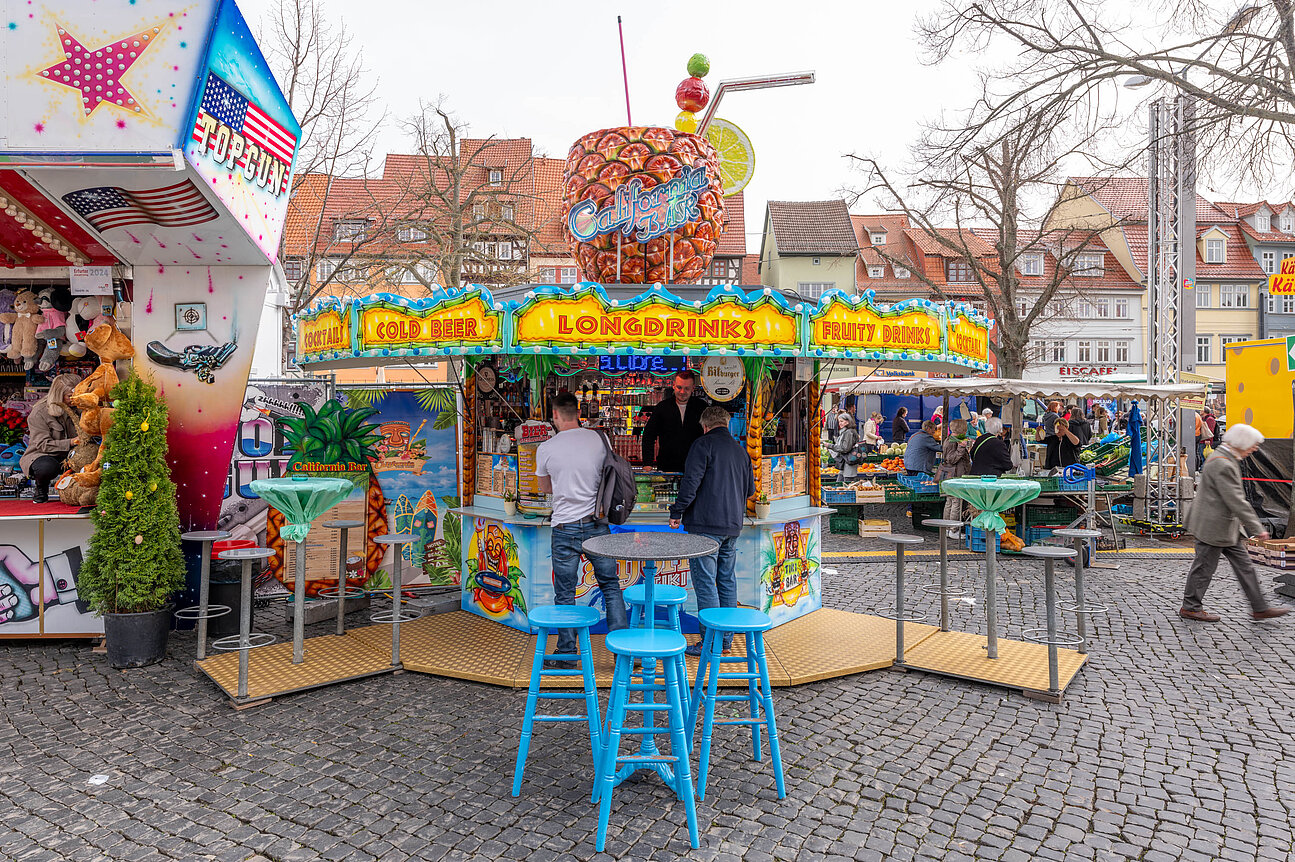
(625, 75)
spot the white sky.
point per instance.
(551, 70)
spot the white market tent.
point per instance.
(1000, 387)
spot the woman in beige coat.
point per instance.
(1215, 518)
(51, 433)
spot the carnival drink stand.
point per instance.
(617, 349)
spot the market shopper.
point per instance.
(1048, 435)
(919, 457)
(674, 425)
(899, 426)
(990, 455)
(717, 481)
(569, 466)
(51, 434)
(1215, 518)
(955, 461)
(843, 447)
(872, 433)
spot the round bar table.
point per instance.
(301, 499)
(992, 496)
(647, 548)
(204, 611)
(342, 592)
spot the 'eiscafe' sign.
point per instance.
(642, 214)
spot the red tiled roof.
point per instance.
(1269, 236)
(928, 244)
(1240, 262)
(751, 269)
(1126, 199)
(548, 207)
(812, 227)
(733, 241)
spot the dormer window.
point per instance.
(1263, 222)
(1215, 251)
(1032, 263)
(352, 229)
(877, 237)
(496, 177)
(1288, 223)
(1090, 263)
(876, 272)
(901, 272)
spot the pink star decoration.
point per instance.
(97, 74)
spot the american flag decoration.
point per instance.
(105, 207)
(228, 106)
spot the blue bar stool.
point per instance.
(666, 597)
(547, 618)
(666, 648)
(751, 624)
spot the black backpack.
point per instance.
(1218, 433)
(617, 490)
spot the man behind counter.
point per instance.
(674, 425)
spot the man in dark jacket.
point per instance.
(717, 482)
(674, 426)
(989, 453)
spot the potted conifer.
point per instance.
(134, 566)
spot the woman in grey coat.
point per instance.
(1215, 518)
(846, 439)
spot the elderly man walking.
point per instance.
(1215, 519)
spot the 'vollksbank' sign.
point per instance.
(642, 214)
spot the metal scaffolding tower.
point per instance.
(1171, 283)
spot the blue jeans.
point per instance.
(567, 539)
(714, 579)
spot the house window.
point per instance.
(1103, 351)
(1101, 308)
(1203, 295)
(901, 272)
(478, 210)
(1225, 340)
(1263, 222)
(1085, 351)
(1203, 349)
(411, 234)
(1058, 351)
(506, 212)
(350, 229)
(1269, 261)
(496, 177)
(294, 268)
(1121, 352)
(877, 237)
(813, 289)
(876, 272)
(548, 275)
(418, 273)
(1215, 251)
(1234, 296)
(1288, 223)
(1122, 309)
(958, 271)
(567, 275)
(722, 270)
(325, 268)
(504, 251)
(1281, 304)
(1032, 263)
(1090, 263)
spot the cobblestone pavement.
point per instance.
(1174, 743)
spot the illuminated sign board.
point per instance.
(968, 338)
(861, 327)
(1283, 283)
(642, 214)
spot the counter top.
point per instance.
(520, 518)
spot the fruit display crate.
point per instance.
(1050, 516)
(838, 496)
(974, 538)
(1036, 535)
(920, 484)
(898, 493)
(844, 522)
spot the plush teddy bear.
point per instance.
(79, 484)
(6, 327)
(108, 342)
(51, 333)
(90, 397)
(25, 318)
(86, 313)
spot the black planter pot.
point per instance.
(136, 640)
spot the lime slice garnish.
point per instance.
(736, 154)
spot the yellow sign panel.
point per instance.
(1283, 283)
(327, 331)
(841, 326)
(968, 339)
(585, 322)
(1259, 385)
(392, 326)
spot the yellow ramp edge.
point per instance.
(1019, 665)
(270, 671)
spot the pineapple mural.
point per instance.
(603, 161)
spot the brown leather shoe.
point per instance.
(1199, 616)
(1271, 613)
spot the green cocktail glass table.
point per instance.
(992, 496)
(301, 499)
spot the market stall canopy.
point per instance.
(140, 133)
(1063, 389)
(583, 319)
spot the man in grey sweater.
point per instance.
(1215, 519)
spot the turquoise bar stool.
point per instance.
(751, 624)
(666, 597)
(547, 618)
(666, 648)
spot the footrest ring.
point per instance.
(194, 612)
(1039, 635)
(392, 617)
(351, 593)
(1090, 609)
(234, 643)
(953, 591)
(890, 613)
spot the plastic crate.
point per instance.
(898, 494)
(922, 483)
(1049, 516)
(974, 539)
(844, 522)
(1035, 535)
(836, 496)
